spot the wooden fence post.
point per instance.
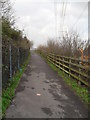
(69, 67)
(53, 59)
(63, 63)
(80, 72)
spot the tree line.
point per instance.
(15, 45)
(70, 45)
(15, 36)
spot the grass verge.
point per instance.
(9, 92)
(82, 92)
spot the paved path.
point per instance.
(43, 94)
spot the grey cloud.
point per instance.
(38, 20)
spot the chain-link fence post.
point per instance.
(10, 49)
(18, 59)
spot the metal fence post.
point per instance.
(18, 59)
(10, 49)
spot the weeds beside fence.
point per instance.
(9, 92)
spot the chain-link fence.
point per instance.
(12, 59)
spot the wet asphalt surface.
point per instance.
(43, 94)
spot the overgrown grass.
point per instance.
(9, 92)
(81, 91)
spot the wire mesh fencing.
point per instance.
(12, 59)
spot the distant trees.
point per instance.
(31, 44)
(69, 45)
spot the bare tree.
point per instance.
(7, 11)
(69, 45)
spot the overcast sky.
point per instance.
(39, 21)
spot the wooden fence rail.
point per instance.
(75, 68)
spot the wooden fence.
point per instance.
(75, 68)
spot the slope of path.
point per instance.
(43, 94)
